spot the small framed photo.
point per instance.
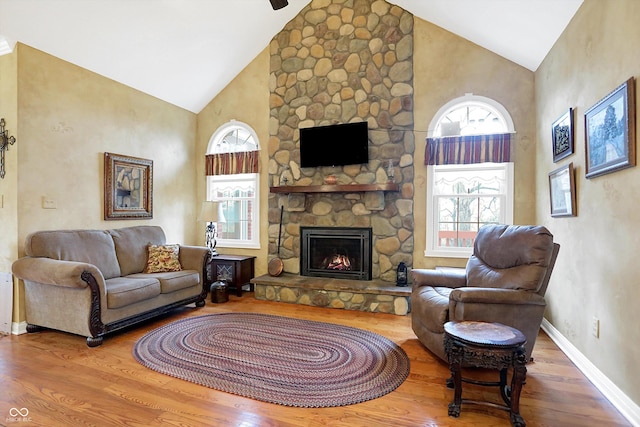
(128, 187)
(610, 132)
(562, 136)
(562, 191)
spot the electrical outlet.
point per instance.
(48, 203)
(595, 327)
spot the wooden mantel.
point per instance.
(346, 188)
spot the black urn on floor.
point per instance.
(219, 292)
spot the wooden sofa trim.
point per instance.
(99, 329)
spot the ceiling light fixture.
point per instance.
(278, 4)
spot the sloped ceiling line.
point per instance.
(186, 51)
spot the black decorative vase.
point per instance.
(219, 292)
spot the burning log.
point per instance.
(337, 262)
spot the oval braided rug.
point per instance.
(276, 359)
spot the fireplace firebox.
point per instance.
(338, 252)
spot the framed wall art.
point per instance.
(610, 132)
(562, 191)
(562, 136)
(128, 187)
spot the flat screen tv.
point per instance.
(334, 145)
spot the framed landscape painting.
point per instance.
(128, 187)
(562, 191)
(562, 136)
(610, 132)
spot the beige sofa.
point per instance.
(91, 282)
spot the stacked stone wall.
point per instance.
(341, 61)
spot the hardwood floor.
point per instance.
(62, 382)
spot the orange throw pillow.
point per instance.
(162, 258)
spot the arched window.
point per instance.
(469, 173)
(470, 115)
(233, 181)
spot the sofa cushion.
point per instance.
(131, 246)
(122, 291)
(161, 258)
(91, 246)
(172, 281)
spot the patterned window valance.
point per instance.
(232, 163)
(462, 150)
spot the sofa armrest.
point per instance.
(496, 296)
(54, 272)
(453, 278)
(193, 257)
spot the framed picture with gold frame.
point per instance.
(562, 191)
(128, 187)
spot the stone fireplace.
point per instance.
(338, 252)
(337, 62)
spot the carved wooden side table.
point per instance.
(486, 345)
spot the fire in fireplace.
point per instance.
(339, 252)
(337, 261)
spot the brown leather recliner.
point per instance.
(505, 282)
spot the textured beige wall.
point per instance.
(245, 99)
(597, 269)
(447, 67)
(68, 117)
(9, 185)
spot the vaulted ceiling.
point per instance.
(186, 51)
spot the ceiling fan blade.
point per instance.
(278, 4)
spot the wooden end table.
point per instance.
(486, 345)
(235, 270)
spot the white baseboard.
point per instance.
(6, 301)
(628, 408)
(19, 328)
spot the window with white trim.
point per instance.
(461, 198)
(237, 193)
(471, 115)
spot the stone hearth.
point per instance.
(361, 295)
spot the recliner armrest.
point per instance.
(54, 272)
(496, 296)
(444, 278)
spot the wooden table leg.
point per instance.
(455, 366)
(519, 377)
